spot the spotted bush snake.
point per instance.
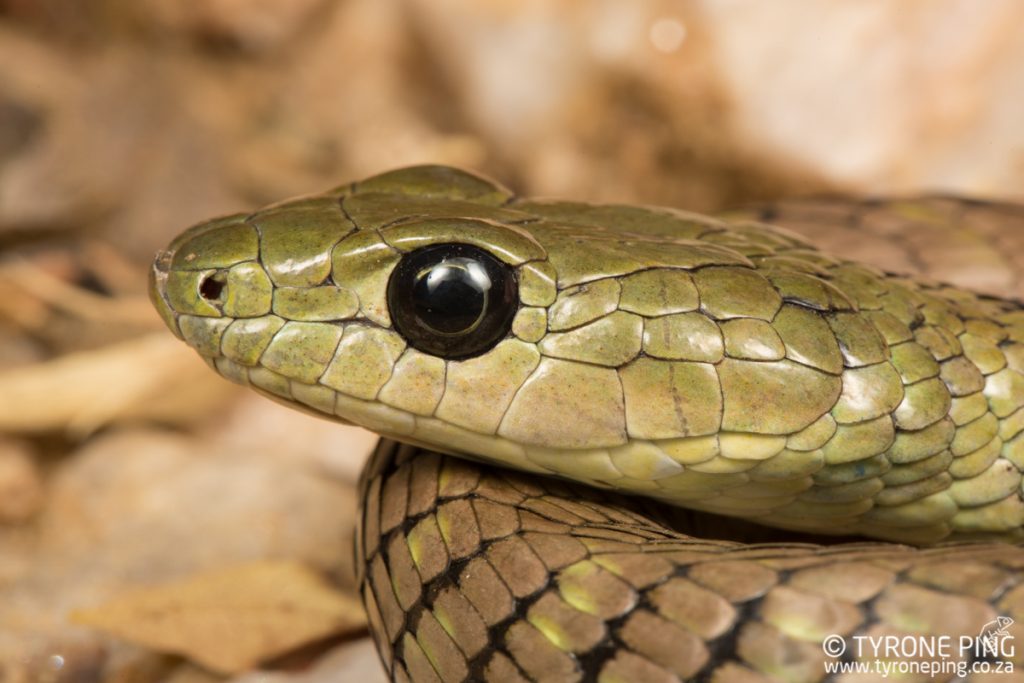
(536, 365)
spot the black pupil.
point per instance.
(451, 297)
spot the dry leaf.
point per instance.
(150, 377)
(231, 619)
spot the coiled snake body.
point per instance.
(721, 365)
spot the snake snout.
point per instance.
(162, 260)
(158, 291)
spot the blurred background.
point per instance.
(144, 502)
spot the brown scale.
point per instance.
(477, 573)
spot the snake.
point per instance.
(635, 443)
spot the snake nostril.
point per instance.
(212, 287)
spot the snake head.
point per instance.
(430, 305)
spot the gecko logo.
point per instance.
(993, 637)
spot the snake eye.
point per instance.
(452, 300)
